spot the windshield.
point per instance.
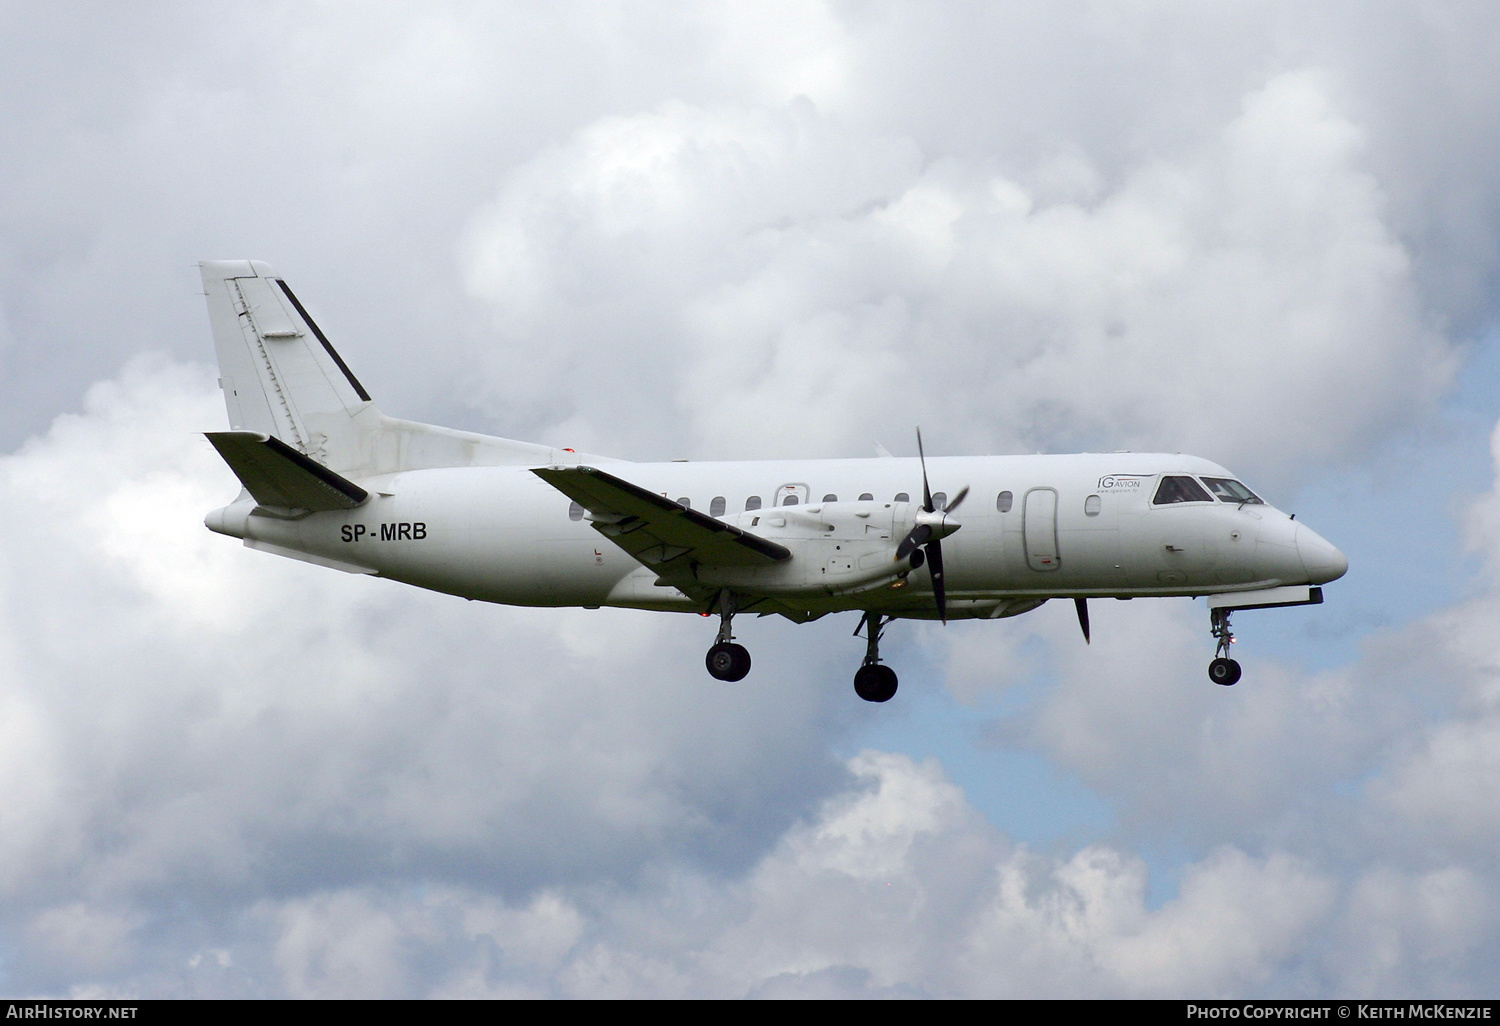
(1177, 488)
(1230, 490)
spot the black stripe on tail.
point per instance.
(358, 388)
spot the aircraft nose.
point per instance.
(1322, 560)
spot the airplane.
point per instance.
(329, 479)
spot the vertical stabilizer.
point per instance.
(281, 377)
(279, 373)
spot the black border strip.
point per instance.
(326, 344)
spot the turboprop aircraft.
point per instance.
(329, 479)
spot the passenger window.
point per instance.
(790, 500)
(1091, 506)
(685, 503)
(939, 500)
(830, 498)
(1230, 490)
(716, 506)
(752, 503)
(866, 497)
(902, 497)
(1180, 489)
(575, 511)
(1003, 501)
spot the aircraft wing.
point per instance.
(665, 536)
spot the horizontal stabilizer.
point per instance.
(662, 534)
(278, 475)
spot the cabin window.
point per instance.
(866, 497)
(1091, 506)
(685, 502)
(1003, 501)
(1230, 490)
(716, 506)
(830, 497)
(752, 503)
(902, 497)
(790, 500)
(575, 511)
(939, 500)
(1179, 488)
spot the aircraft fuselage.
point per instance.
(1033, 527)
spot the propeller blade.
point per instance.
(934, 552)
(918, 535)
(963, 493)
(926, 492)
(1082, 605)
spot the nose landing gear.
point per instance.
(727, 660)
(1223, 670)
(873, 681)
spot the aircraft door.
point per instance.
(1039, 527)
(791, 495)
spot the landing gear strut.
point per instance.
(1223, 670)
(726, 660)
(873, 681)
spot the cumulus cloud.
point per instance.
(778, 279)
(1444, 782)
(349, 788)
(894, 887)
(182, 712)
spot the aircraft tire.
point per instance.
(875, 683)
(1224, 671)
(728, 661)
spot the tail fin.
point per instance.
(282, 378)
(280, 375)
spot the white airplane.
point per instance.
(331, 480)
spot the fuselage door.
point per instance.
(791, 495)
(1039, 524)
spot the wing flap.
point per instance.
(655, 530)
(278, 475)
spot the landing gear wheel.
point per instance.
(875, 683)
(728, 661)
(1224, 671)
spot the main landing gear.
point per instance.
(873, 681)
(726, 660)
(1223, 670)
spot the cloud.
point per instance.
(186, 714)
(894, 888)
(1246, 300)
(352, 789)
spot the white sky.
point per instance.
(1262, 233)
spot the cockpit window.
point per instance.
(1230, 490)
(1180, 489)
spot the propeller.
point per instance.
(1082, 605)
(932, 527)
